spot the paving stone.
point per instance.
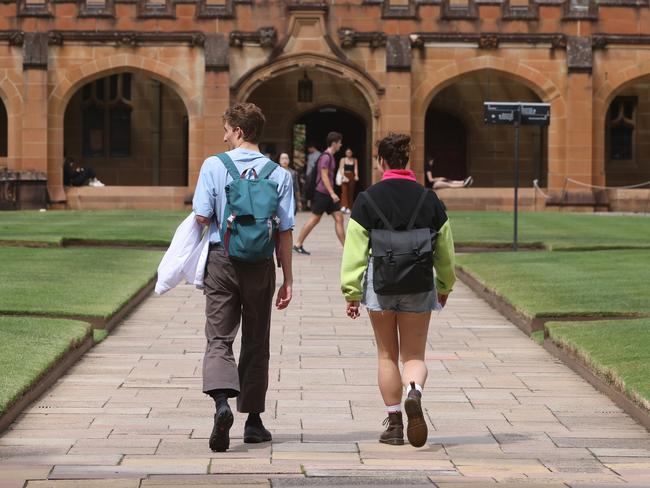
(502, 411)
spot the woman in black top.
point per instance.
(349, 166)
(400, 322)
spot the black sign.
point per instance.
(508, 112)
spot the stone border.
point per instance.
(614, 394)
(528, 326)
(46, 380)
(72, 355)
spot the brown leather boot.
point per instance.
(417, 430)
(394, 433)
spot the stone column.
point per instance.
(396, 103)
(34, 120)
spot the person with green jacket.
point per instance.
(400, 322)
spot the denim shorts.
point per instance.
(412, 303)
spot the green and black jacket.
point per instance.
(396, 197)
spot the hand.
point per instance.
(442, 299)
(352, 309)
(285, 294)
(356, 178)
(202, 220)
(335, 198)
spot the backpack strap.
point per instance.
(230, 166)
(423, 197)
(377, 211)
(266, 171)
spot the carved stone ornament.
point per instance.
(488, 42)
(268, 36)
(558, 42)
(599, 42)
(416, 41)
(17, 39)
(55, 39)
(347, 38)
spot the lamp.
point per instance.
(305, 89)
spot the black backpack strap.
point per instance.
(379, 212)
(423, 197)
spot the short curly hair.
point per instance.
(249, 118)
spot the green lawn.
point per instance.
(555, 230)
(618, 351)
(137, 227)
(90, 281)
(566, 283)
(28, 347)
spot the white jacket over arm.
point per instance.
(186, 256)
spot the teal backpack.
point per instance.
(248, 231)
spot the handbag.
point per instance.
(402, 260)
(341, 178)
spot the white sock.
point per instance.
(394, 408)
(418, 388)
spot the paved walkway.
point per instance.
(502, 410)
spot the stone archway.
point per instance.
(12, 100)
(538, 83)
(74, 78)
(626, 83)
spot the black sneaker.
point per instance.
(220, 437)
(255, 432)
(301, 250)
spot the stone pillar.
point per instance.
(216, 99)
(396, 102)
(34, 120)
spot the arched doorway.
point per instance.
(462, 144)
(320, 122)
(627, 127)
(132, 129)
(446, 144)
(334, 103)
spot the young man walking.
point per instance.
(238, 290)
(325, 199)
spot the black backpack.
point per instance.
(402, 260)
(312, 181)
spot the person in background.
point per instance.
(439, 182)
(74, 175)
(284, 162)
(349, 166)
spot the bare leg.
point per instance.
(309, 226)
(413, 328)
(390, 382)
(338, 225)
(442, 183)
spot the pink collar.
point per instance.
(398, 174)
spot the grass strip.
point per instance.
(29, 347)
(617, 350)
(147, 228)
(556, 231)
(70, 282)
(599, 283)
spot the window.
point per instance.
(621, 121)
(107, 107)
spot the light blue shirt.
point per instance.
(210, 195)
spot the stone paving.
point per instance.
(502, 411)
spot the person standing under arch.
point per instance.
(349, 166)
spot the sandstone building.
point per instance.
(136, 89)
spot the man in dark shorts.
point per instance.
(325, 199)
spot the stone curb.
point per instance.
(70, 357)
(528, 326)
(47, 379)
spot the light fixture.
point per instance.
(305, 89)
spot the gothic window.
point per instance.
(621, 121)
(106, 116)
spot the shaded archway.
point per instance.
(132, 129)
(623, 139)
(455, 117)
(335, 100)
